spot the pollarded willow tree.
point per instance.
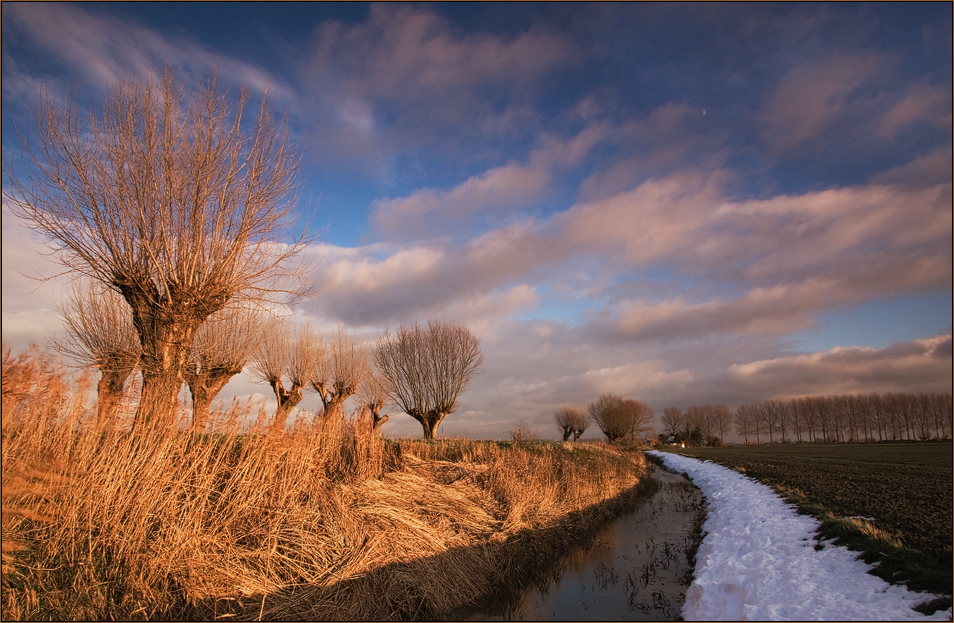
(428, 368)
(572, 422)
(173, 202)
(222, 347)
(620, 417)
(287, 358)
(100, 333)
(373, 395)
(343, 366)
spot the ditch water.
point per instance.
(637, 568)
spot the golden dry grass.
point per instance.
(327, 522)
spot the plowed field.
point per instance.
(905, 490)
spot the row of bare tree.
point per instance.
(848, 418)
(829, 419)
(423, 369)
(618, 418)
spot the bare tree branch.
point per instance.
(572, 421)
(428, 369)
(174, 204)
(222, 347)
(100, 333)
(286, 355)
(343, 366)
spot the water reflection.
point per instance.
(637, 568)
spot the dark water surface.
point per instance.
(636, 569)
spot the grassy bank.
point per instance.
(327, 522)
(892, 502)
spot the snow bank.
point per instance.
(758, 561)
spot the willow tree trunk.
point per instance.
(109, 395)
(333, 398)
(159, 400)
(204, 387)
(166, 345)
(333, 406)
(287, 400)
(430, 421)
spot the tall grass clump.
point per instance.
(325, 522)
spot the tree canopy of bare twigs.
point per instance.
(428, 368)
(620, 417)
(523, 432)
(343, 366)
(289, 355)
(748, 422)
(100, 333)
(174, 202)
(673, 420)
(722, 419)
(222, 347)
(572, 422)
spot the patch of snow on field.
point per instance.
(758, 561)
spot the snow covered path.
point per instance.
(758, 561)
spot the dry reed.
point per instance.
(327, 522)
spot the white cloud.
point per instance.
(771, 311)
(813, 95)
(832, 232)
(932, 169)
(783, 260)
(921, 104)
(671, 138)
(32, 284)
(641, 379)
(429, 212)
(499, 194)
(422, 76)
(405, 52)
(386, 283)
(852, 101)
(919, 365)
(657, 220)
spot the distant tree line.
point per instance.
(847, 418)
(697, 425)
(816, 419)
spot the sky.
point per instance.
(758, 562)
(677, 203)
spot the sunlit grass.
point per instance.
(327, 522)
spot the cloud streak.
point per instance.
(921, 365)
(407, 75)
(104, 48)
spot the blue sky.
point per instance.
(676, 203)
